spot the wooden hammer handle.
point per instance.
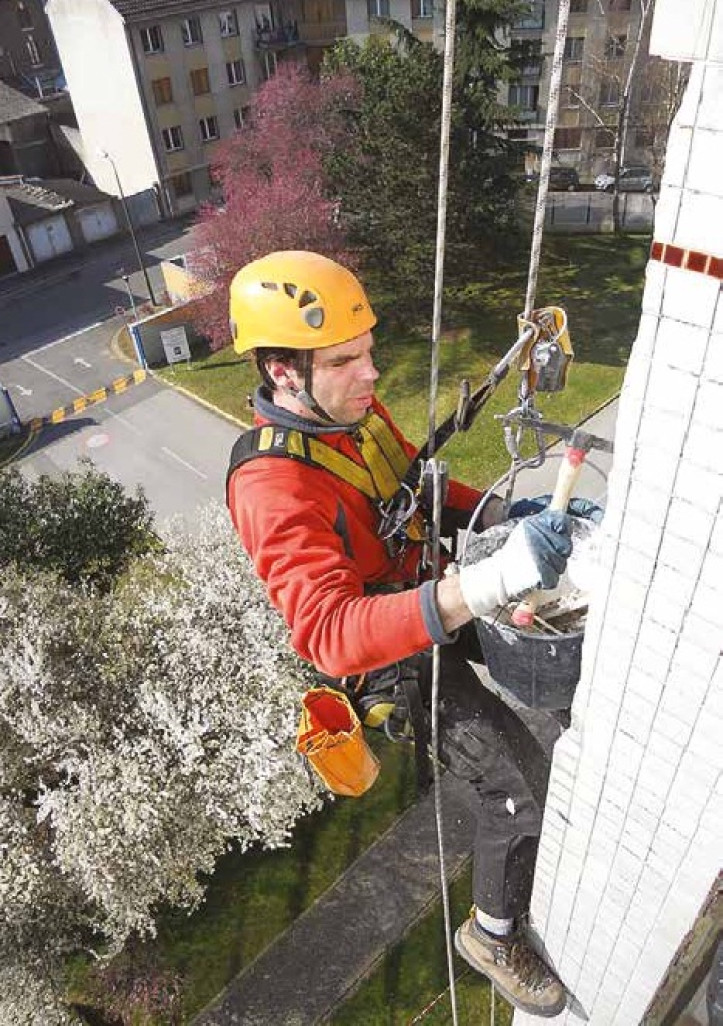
(524, 613)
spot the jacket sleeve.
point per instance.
(288, 530)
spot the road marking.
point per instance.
(67, 338)
(21, 389)
(83, 363)
(188, 466)
(98, 396)
(52, 374)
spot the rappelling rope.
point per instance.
(447, 81)
(538, 225)
(546, 159)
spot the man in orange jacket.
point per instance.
(306, 491)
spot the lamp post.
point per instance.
(107, 156)
(126, 278)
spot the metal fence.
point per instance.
(593, 212)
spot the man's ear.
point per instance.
(282, 375)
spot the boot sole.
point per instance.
(543, 1013)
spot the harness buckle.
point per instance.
(396, 514)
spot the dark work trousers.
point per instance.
(504, 769)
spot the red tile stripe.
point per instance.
(688, 259)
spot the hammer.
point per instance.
(579, 444)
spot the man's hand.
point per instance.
(534, 556)
(576, 507)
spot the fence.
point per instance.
(593, 212)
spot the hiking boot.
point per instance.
(518, 973)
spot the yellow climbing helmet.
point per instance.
(294, 299)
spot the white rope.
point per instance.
(546, 160)
(447, 81)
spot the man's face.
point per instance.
(343, 379)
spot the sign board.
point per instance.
(175, 344)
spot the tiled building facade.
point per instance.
(628, 878)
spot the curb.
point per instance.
(92, 399)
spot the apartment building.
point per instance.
(28, 58)
(157, 83)
(599, 47)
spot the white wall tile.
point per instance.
(677, 155)
(690, 298)
(704, 172)
(666, 220)
(699, 216)
(713, 367)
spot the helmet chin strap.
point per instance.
(304, 394)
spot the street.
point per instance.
(150, 437)
(58, 324)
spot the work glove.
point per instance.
(534, 556)
(576, 507)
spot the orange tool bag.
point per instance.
(332, 739)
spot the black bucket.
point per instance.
(539, 670)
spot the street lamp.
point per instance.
(107, 156)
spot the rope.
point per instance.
(546, 161)
(445, 128)
(551, 121)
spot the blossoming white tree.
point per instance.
(142, 729)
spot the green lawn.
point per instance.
(598, 280)
(252, 898)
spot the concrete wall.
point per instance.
(91, 39)
(633, 830)
(149, 330)
(7, 228)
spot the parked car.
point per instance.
(632, 179)
(562, 178)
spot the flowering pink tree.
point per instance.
(274, 187)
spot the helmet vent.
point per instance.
(269, 285)
(314, 317)
(290, 289)
(307, 297)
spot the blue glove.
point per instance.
(534, 556)
(576, 507)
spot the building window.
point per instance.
(152, 39)
(535, 19)
(182, 184)
(422, 8)
(568, 138)
(241, 117)
(578, 6)
(604, 138)
(199, 81)
(208, 128)
(574, 46)
(235, 73)
(25, 19)
(378, 8)
(162, 91)
(615, 46)
(619, 5)
(172, 138)
(609, 92)
(191, 31)
(524, 96)
(33, 52)
(228, 23)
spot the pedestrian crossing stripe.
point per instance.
(92, 399)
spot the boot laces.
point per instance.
(529, 970)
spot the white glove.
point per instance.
(533, 557)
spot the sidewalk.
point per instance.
(315, 965)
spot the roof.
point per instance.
(15, 105)
(34, 200)
(131, 9)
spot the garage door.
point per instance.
(7, 260)
(49, 238)
(97, 222)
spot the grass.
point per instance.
(254, 897)
(597, 279)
